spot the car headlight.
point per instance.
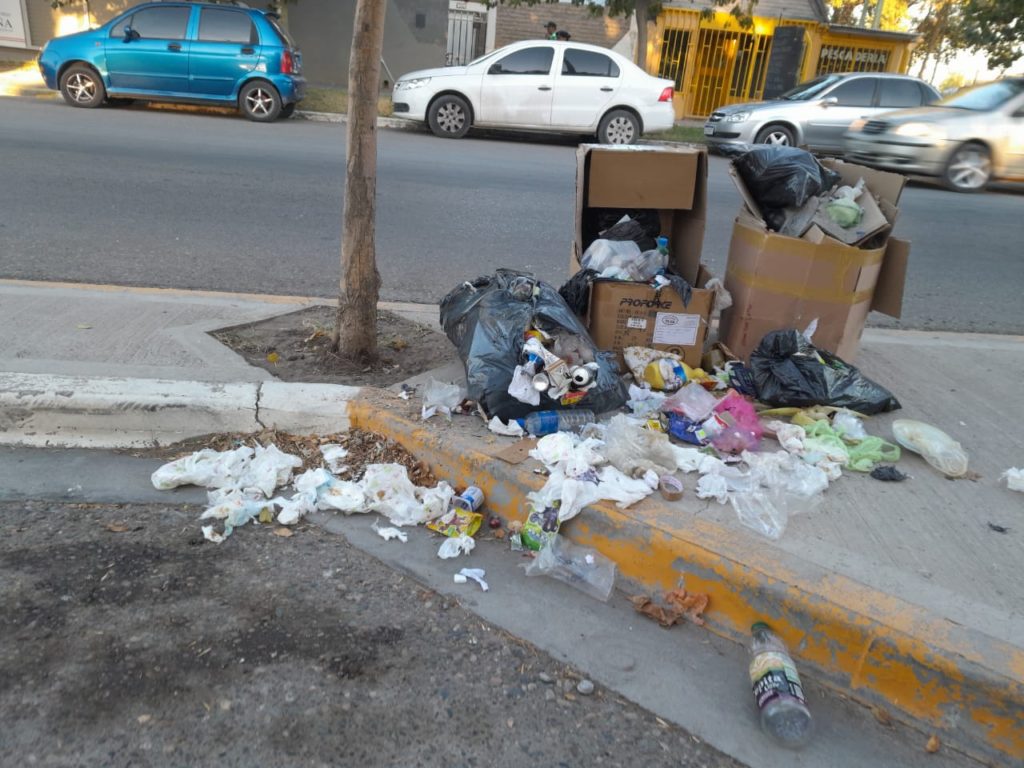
(919, 131)
(737, 117)
(857, 125)
(408, 85)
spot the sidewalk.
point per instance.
(897, 595)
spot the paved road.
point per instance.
(157, 198)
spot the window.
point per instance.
(223, 26)
(899, 93)
(118, 29)
(588, 64)
(529, 61)
(161, 23)
(854, 93)
(280, 31)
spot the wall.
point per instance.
(323, 30)
(525, 22)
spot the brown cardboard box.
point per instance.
(672, 180)
(781, 282)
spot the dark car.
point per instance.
(204, 53)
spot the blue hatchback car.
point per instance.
(205, 53)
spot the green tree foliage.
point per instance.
(995, 28)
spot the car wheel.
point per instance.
(969, 168)
(287, 110)
(779, 135)
(260, 101)
(618, 127)
(449, 117)
(82, 87)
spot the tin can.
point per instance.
(470, 499)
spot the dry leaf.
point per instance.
(284, 533)
(117, 527)
(273, 357)
(882, 716)
(499, 533)
(679, 604)
(933, 745)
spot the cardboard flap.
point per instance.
(748, 199)
(641, 177)
(888, 296)
(883, 184)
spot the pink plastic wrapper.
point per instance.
(743, 431)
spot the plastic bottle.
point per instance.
(663, 246)
(542, 423)
(777, 690)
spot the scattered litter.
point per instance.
(391, 533)
(333, 454)
(670, 487)
(1014, 479)
(932, 745)
(630, 447)
(938, 449)
(888, 474)
(455, 546)
(678, 604)
(585, 687)
(406, 392)
(284, 533)
(579, 567)
(210, 535)
(998, 528)
(117, 527)
(848, 426)
(512, 429)
(476, 574)
(440, 397)
(457, 522)
(778, 694)
(470, 500)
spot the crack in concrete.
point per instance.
(259, 394)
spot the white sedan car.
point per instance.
(539, 85)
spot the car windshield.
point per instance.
(984, 98)
(485, 57)
(280, 31)
(811, 89)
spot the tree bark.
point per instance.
(640, 9)
(355, 330)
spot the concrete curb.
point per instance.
(868, 645)
(41, 410)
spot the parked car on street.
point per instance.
(224, 55)
(967, 139)
(817, 113)
(539, 85)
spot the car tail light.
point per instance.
(666, 95)
(288, 63)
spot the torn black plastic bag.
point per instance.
(486, 320)
(780, 177)
(790, 371)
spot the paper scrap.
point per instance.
(678, 604)
(391, 533)
(476, 574)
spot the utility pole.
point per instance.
(877, 23)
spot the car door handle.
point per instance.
(248, 51)
(544, 88)
(174, 46)
(607, 89)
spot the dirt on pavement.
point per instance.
(125, 639)
(296, 347)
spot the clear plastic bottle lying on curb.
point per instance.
(542, 423)
(777, 690)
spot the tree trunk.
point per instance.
(640, 9)
(355, 331)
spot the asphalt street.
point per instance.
(177, 199)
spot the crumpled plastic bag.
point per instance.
(644, 402)
(938, 449)
(455, 546)
(390, 492)
(390, 533)
(631, 447)
(440, 397)
(585, 569)
(790, 371)
(235, 509)
(476, 574)
(605, 254)
(512, 429)
(1014, 478)
(333, 455)
(264, 468)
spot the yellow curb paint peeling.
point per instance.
(865, 643)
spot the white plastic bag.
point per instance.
(476, 574)
(1014, 479)
(603, 254)
(512, 429)
(333, 455)
(849, 427)
(206, 468)
(440, 397)
(585, 569)
(630, 447)
(938, 449)
(453, 546)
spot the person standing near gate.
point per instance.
(562, 35)
(549, 30)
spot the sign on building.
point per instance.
(12, 24)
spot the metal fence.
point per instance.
(467, 32)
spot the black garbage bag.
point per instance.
(781, 177)
(642, 227)
(485, 319)
(576, 291)
(790, 371)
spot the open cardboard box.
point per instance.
(780, 282)
(673, 181)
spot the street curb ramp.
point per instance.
(878, 650)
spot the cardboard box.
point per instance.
(780, 282)
(673, 181)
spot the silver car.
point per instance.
(817, 113)
(968, 139)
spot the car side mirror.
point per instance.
(130, 34)
(829, 101)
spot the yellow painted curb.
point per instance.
(871, 646)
